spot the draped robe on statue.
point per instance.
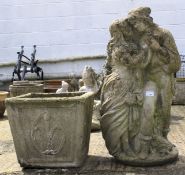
(122, 98)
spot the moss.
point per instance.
(40, 98)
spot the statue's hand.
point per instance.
(155, 45)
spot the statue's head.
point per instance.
(140, 12)
(114, 27)
(89, 76)
(140, 19)
(120, 28)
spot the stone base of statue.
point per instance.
(152, 160)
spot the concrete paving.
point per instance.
(99, 161)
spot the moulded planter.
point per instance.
(3, 96)
(24, 87)
(51, 130)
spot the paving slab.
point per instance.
(99, 161)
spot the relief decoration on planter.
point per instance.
(46, 126)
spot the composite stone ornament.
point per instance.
(51, 130)
(91, 84)
(64, 87)
(89, 80)
(137, 90)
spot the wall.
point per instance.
(65, 28)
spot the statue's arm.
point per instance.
(169, 49)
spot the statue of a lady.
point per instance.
(122, 92)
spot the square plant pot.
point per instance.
(51, 130)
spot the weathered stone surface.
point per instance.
(91, 84)
(179, 97)
(64, 88)
(137, 90)
(51, 130)
(89, 78)
(24, 87)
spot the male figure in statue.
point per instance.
(159, 87)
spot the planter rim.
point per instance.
(20, 82)
(26, 85)
(28, 98)
(4, 92)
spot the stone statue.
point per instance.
(90, 84)
(90, 80)
(64, 88)
(137, 91)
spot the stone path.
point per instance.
(99, 161)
